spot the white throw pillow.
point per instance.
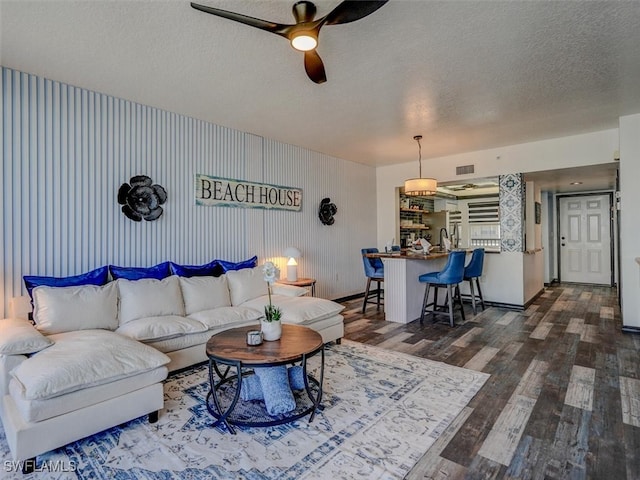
(246, 284)
(84, 359)
(160, 328)
(149, 297)
(19, 337)
(204, 293)
(298, 310)
(227, 316)
(66, 309)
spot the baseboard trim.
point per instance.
(508, 306)
(628, 329)
(356, 295)
(348, 297)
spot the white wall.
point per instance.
(533, 259)
(66, 150)
(630, 219)
(533, 274)
(503, 278)
(578, 150)
(548, 232)
(533, 230)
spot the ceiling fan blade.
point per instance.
(352, 10)
(314, 66)
(277, 28)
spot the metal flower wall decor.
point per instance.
(141, 199)
(327, 211)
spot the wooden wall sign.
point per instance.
(228, 192)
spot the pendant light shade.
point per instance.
(420, 186)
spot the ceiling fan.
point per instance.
(303, 35)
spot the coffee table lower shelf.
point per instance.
(253, 413)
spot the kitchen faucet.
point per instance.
(446, 235)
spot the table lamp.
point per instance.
(292, 253)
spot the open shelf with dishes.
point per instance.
(413, 210)
(416, 219)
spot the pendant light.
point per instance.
(420, 186)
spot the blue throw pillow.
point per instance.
(99, 276)
(250, 263)
(160, 271)
(278, 397)
(211, 269)
(252, 388)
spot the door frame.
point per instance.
(613, 248)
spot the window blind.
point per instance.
(484, 212)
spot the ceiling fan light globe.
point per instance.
(304, 41)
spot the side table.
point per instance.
(301, 282)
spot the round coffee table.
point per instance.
(228, 351)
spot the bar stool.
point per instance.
(450, 276)
(473, 271)
(374, 271)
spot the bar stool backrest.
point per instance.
(453, 271)
(373, 267)
(474, 268)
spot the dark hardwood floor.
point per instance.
(563, 399)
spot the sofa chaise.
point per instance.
(95, 356)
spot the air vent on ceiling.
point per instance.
(465, 169)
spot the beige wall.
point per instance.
(525, 275)
(579, 150)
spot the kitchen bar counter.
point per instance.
(408, 254)
(403, 293)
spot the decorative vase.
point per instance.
(271, 330)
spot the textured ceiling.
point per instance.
(466, 75)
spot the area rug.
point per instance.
(382, 412)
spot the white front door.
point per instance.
(585, 239)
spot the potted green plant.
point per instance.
(271, 325)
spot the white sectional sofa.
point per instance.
(96, 355)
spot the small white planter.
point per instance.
(271, 330)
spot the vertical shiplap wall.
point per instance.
(66, 150)
(331, 254)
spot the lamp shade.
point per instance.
(292, 252)
(292, 266)
(420, 186)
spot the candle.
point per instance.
(254, 337)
